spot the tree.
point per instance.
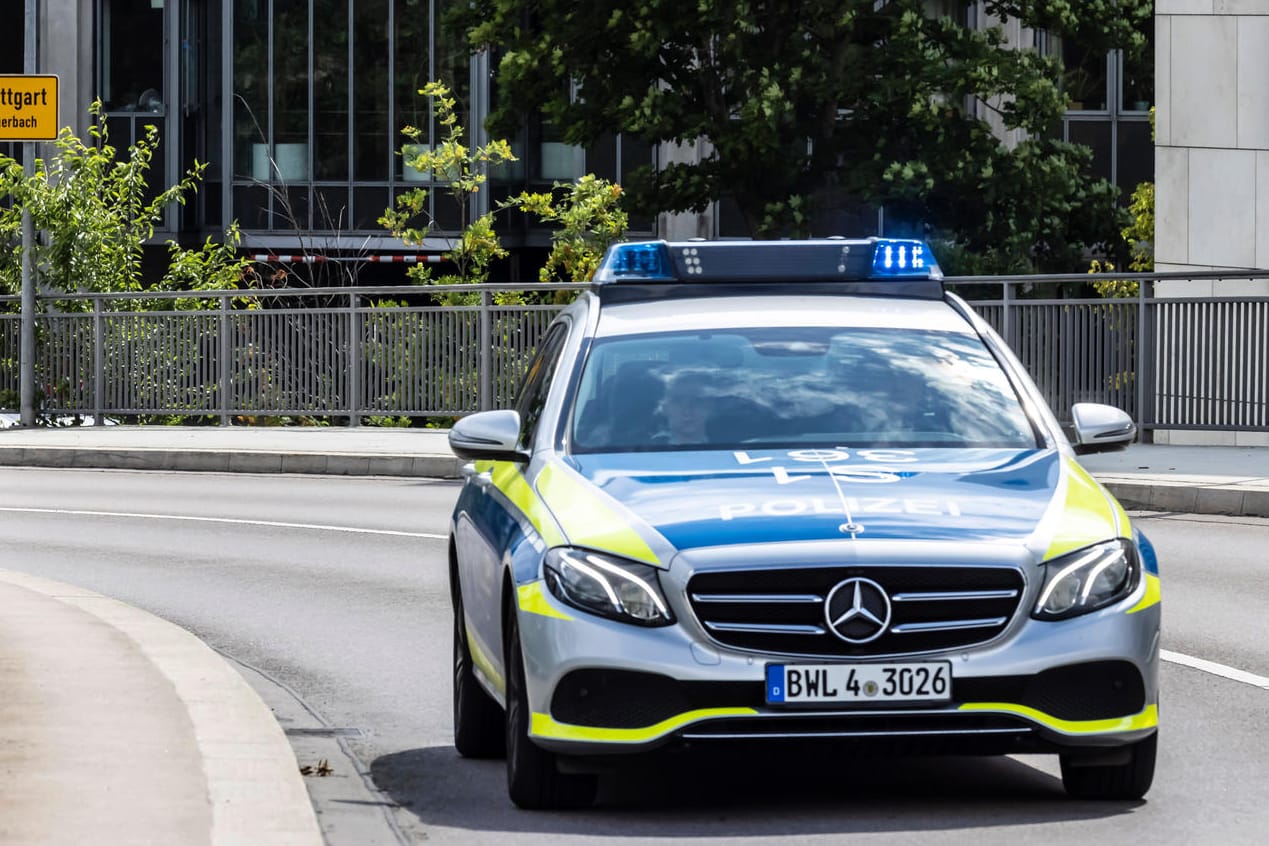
(805, 104)
(586, 215)
(463, 171)
(94, 212)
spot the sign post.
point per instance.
(28, 113)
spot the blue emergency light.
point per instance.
(904, 258)
(878, 260)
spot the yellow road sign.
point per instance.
(28, 108)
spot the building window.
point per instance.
(130, 71)
(321, 92)
(132, 77)
(12, 60)
(1110, 95)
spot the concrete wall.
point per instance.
(1212, 155)
(66, 49)
(1212, 139)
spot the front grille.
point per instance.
(782, 610)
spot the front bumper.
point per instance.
(598, 687)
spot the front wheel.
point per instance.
(478, 721)
(533, 780)
(1129, 779)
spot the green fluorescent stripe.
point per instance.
(1087, 516)
(543, 726)
(533, 601)
(1153, 595)
(481, 661)
(508, 479)
(587, 520)
(1149, 718)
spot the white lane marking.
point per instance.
(269, 523)
(1216, 669)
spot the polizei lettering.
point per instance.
(854, 506)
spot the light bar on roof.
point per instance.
(767, 262)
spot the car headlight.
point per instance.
(607, 586)
(1088, 579)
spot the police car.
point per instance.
(778, 492)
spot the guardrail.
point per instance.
(1171, 362)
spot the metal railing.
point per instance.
(1171, 362)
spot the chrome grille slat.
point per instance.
(781, 610)
(759, 628)
(760, 598)
(941, 596)
(948, 625)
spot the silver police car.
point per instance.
(792, 492)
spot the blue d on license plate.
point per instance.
(916, 682)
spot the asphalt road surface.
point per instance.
(330, 595)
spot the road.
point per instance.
(330, 594)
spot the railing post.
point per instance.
(1145, 364)
(485, 376)
(226, 360)
(354, 363)
(99, 364)
(26, 331)
(1006, 299)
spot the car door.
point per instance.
(488, 524)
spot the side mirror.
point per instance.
(1101, 428)
(487, 435)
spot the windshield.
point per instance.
(772, 387)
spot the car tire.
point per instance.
(479, 730)
(1128, 780)
(534, 782)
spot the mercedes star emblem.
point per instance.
(858, 610)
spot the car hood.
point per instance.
(696, 499)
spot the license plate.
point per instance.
(916, 682)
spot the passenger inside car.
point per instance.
(685, 409)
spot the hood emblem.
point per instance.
(857, 610)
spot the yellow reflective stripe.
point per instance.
(1153, 595)
(481, 662)
(483, 466)
(541, 725)
(533, 601)
(1087, 516)
(587, 519)
(508, 479)
(1149, 718)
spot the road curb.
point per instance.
(255, 792)
(1188, 498)
(226, 461)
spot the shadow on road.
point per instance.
(724, 796)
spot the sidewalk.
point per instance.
(119, 727)
(114, 720)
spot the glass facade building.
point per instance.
(298, 106)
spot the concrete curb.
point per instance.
(224, 461)
(255, 791)
(1187, 498)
